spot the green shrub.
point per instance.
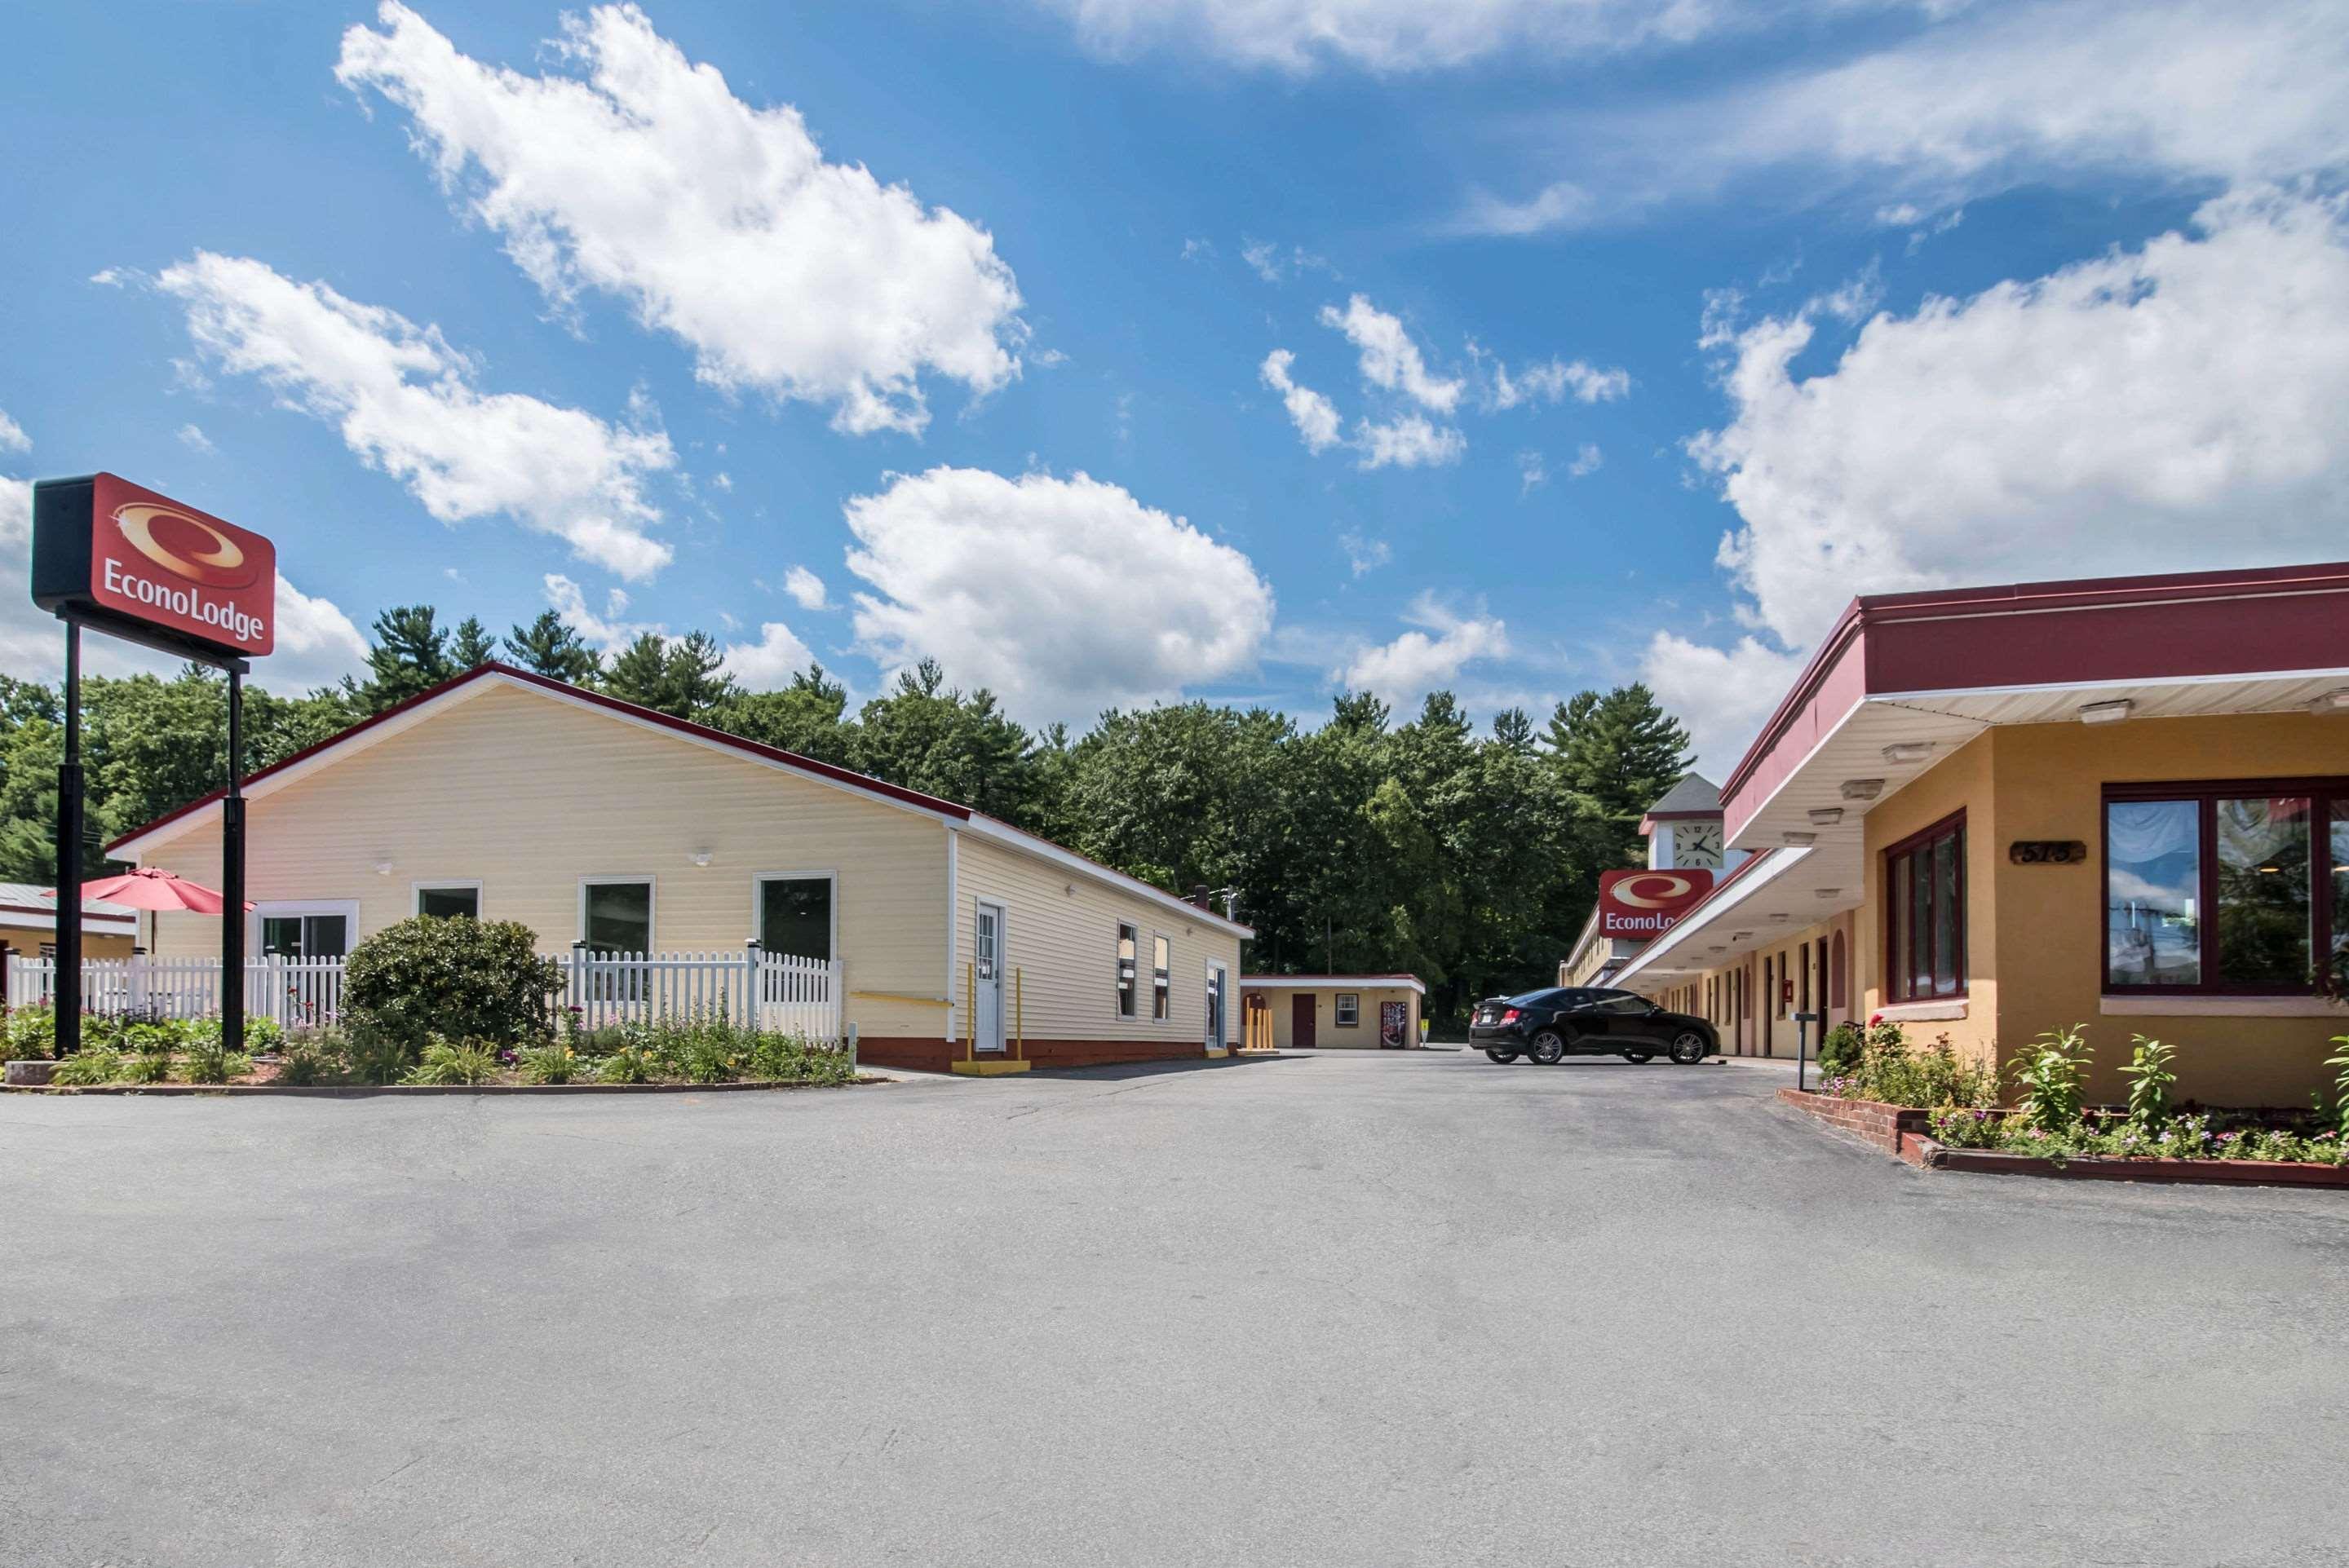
(160, 1037)
(549, 1064)
(150, 1067)
(31, 1033)
(84, 1068)
(704, 1053)
(2341, 1087)
(469, 1063)
(209, 1061)
(629, 1064)
(794, 1058)
(2050, 1076)
(1891, 1073)
(460, 979)
(1839, 1052)
(263, 1037)
(307, 1060)
(2149, 1083)
(377, 1056)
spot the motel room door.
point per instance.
(1300, 1022)
(987, 1028)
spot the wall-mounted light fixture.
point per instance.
(1825, 816)
(700, 858)
(1830, 893)
(2108, 712)
(1739, 935)
(1862, 788)
(1902, 753)
(1799, 840)
(383, 868)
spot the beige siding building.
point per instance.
(511, 796)
(1306, 1012)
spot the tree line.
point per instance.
(1363, 844)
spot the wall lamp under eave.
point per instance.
(2335, 701)
(1829, 892)
(1739, 935)
(1862, 788)
(1798, 841)
(2111, 712)
(1900, 753)
(1825, 816)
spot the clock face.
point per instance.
(1697, 845)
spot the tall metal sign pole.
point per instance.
(116, 558)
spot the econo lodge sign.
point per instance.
(1647, 903)
(114, 552)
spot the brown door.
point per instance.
(1300, 1023)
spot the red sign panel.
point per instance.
(1645, 903)
(155, 559)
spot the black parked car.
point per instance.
(1578, 1020)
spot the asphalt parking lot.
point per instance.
(1382, 1309)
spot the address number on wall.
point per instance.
(2047, 852)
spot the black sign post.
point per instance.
(128, 562)
(1802, 1022)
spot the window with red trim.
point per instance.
(1925, 913)
(2236, 887)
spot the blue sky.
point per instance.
(1512, 346)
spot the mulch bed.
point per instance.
(361, 1090)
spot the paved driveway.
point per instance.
(1360, 1309)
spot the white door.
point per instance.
(987, 1028)
(1215, 1040)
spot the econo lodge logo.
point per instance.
(1650, 903)
(211, 582)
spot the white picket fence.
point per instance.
(767, 991)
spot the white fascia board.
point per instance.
(1330, 983)
(1782, 861)
(1052, 854)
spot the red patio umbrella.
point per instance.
(150, 887)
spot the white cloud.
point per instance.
(1855, 297)
(195, 440)
(1983, 98)
(11, 435)
(1556, 380)
(1389, 360)
(1417, 662)
(721, 482)
(1063, 595)
(1586, 462)
(1385, 36)
(405, 403)
(1199, 250)
(316, 643)
(2182, 404)
(645, 177)
(1315, 417)
(610, 631)
(1364, 555)
(806, 588)
(1408, 442)
(768, 662)
(1533, 472)
(1273, 264)
(1723, 694)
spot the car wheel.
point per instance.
(1504, 1057)
(1547, 1049)
(1636, 1058)
(1688, 1048)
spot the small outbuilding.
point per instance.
(28, 926)
(950, 937)
(1309, 1012)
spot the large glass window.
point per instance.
(795, 917)
(304, 935)
(1925, 955)
(619, 916)
(2226, 888)
(1128, 939)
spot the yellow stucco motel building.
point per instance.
(1988, 813)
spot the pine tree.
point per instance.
(675, 675)
(411, 655)
(1619, 752)
(552, 647)
(472, 643)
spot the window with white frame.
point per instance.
(796, 913)
(1349, 1010)
(1129, 939)
(615, 914)
(1162, 980)
(443, 900)
(293, 929)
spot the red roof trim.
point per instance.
(1298, 979)
(598, 700)
(2022, 598)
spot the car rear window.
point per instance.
(1533, 998)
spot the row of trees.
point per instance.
(1362, 843)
